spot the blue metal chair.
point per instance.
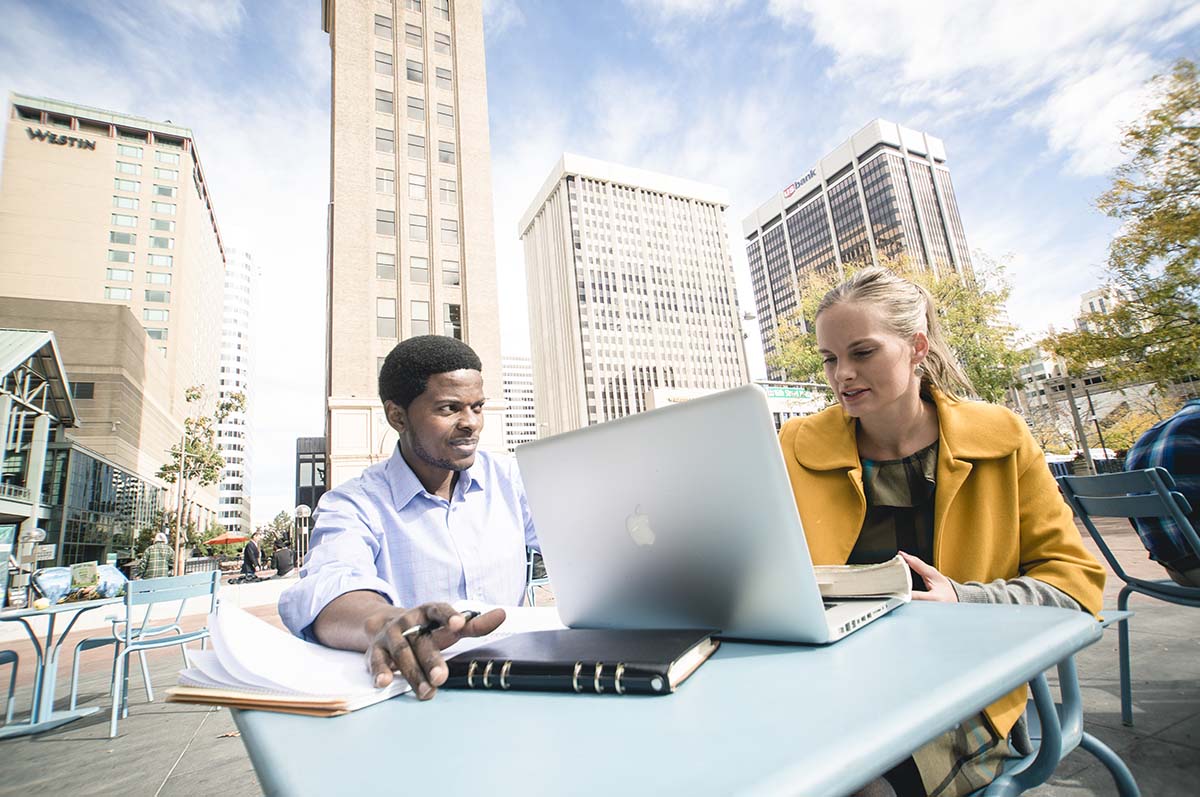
(530, 580)
(10, 657)
(129, 637)
(1145, 493)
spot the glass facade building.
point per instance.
(885, 193)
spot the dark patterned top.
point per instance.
(899, 508)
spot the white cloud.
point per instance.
(669, 9)
(499, 16)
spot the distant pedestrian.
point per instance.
(158, 560)
(252, 557)
(1173, 444)
(283, 560)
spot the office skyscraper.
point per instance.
(237, 375)
(108, 237)
(630, 289)
(884, 192)
(520, 421)
(411, 248)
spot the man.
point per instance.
(283, 559)
(436, 522)
(158, 560)
(252, 557)
(1173, 444)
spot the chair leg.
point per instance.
(118, 696)
(1126, 785)
(75, 677)
(12, 694)
(1123, 659)
(146, 677)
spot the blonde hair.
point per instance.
(907, 308)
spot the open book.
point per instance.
(254, 665)
(884, 580)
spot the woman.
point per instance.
(959, 488)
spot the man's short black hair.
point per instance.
(407, 369)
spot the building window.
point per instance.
(445, 115)
(119, 275)
(161, 260)
(83, 390)
(165, 174)
(119, 256)
(385, 318)
(166, 190)
(385, 265)
(385, 140)
(451, 274)
(418, 227)
(416, 146)
(160, 242)
(120, 294)
(446, 152)
(443, 79)
(441, 9)
(125, 202)
(129, 168)
(414, 70)
(412, 5)
(385, 222)
(383, 101)
(385, 181)
(158, 278)
(418, 270)
(447, 192)
(165, 208)
(441, 43)
(163, 141)
(450, 232)
(383, 26)
(126, 238)
(452, 321)
(383, 64)
(157, 334)
(127, 151)
(412, 34)
(416, 109)
(169, 158)
(155, 315)
(126, 185)
(420, 317)
(160, 297)
(416, 186)
(162, 225)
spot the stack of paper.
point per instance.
(252, 664)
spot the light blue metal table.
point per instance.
(754, 719)
(42, 716)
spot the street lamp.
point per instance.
(303, 513)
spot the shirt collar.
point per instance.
(406, 486)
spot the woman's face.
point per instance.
(869, 367)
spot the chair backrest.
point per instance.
(1137, 494)
(148, 591)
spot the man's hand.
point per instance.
(940, 588)
(418, 656)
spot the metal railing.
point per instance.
(200, 564)
(14, 492)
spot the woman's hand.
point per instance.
(940, 588)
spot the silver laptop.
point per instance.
(681, 517)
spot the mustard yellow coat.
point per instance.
(997, 510)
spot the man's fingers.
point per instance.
(429, 659)
(403, 659)
(485, 623)
(442, 615)
(379, 664)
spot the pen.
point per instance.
(418, 630)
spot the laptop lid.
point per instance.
(679, 517)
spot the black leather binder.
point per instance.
(587, 661)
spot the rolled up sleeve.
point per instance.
(342, 559)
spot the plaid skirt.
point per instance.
(961, 760)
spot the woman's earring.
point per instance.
(920, 369)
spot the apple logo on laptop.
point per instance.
(638, 526)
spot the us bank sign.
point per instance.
(62, 141)
(796, 186)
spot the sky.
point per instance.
(1029, 97)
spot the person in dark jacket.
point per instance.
(283, 560)
(252, 556)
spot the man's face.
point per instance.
(441, 427)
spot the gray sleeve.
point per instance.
(1023, 590)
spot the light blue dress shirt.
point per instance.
(383, 532)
